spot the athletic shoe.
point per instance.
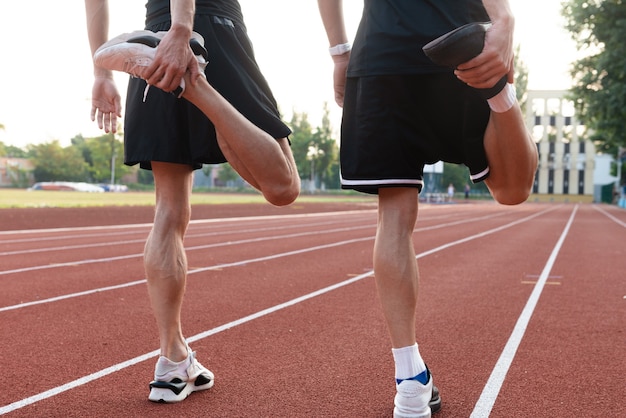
(132, 52)
(173, 382)
(461, 45)
(416, 400)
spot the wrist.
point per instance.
(99, 72)
(339, 49)
(181, 30)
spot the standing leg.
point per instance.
(397, 277)
(164, 256)
(177, 372)
(395, 265)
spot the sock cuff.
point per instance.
(408, 361)
(504, 100)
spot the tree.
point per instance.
(55, 163)
(599, 91)
(521, 80)
(301, 138)
(12, 151)
(315, 151)
(327, 162)
(101, 153)
(227, 175)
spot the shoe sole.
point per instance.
(458, 46)
(176, 391)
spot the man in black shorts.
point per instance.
(404, 109)
(229, 115)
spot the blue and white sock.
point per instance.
(409, 363)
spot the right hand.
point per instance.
(339, 76)
(106, 105)
(173, 59)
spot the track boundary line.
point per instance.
(131, 362)
(490, 392)
(610, 216)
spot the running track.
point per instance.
(522, 314)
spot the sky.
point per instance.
(46, 74)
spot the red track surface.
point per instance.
(282, 308)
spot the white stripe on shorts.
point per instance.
(382, 182)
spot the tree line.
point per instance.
(598, 92)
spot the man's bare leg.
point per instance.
(395, 266)
(512, 156)
(164, 256)
(264, 162)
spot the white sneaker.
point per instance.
(133, 52)
(173, 381)
(416, 400)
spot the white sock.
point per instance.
(504, 100)
(408, 362)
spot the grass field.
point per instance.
(19, 198)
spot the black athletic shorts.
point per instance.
(393, 125)
(167, 129)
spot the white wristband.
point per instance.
(340, 49)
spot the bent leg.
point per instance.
(164, 255)
(512, 156)
(264, 162)
(395, 266)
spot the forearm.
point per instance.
(499, 12)
(331, 12)
(97, 16)
(183, 12)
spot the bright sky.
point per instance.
(46, 73)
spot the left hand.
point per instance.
(496, 59)
(173, 59)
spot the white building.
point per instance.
(567, 160)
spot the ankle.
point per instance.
(408, 362)
(504, 100)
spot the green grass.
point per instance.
(19, 198)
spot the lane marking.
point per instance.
(608, 215)
(115, 368)
(192, 222)
(490, 392)
(535, 282)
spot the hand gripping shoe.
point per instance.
(461, 45)
(132, 52)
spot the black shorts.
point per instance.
(393, 125)
(167, 129)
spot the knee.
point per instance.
(512, 196)
(282, 196)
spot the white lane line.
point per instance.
(200, 247)
(215, 267)
(188, 237)
(608, 215)
(192, 222)
(490, 392)
(128, 363)
(115, 368)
